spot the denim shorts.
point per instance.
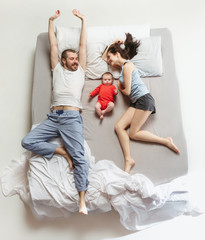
(146, 102)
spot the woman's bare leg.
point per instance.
(61, 151)
(135, 118)
(82, 206)
(135, 132)
(123, 137)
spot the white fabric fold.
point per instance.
(48, 187)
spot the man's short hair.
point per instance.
(64, 53)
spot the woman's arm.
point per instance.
(127, 75)
(104, 55)
(53, 41)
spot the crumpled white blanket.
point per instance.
(48, 187)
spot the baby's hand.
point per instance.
(57, 14)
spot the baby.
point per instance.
(106, 91)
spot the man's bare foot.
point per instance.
(129, 163)
(82, 208)
(170, 144)
(64, 153)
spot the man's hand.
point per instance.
(53, 41)
(78, 14)
(57, 14)
(83, 39)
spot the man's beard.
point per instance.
(73, 67)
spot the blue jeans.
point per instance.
(69, 126)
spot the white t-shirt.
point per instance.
(67, 86)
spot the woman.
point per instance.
(142, 104)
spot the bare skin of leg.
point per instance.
(61, 151)
(82, 206)
(124, 139)
(135, 118)
(100, 112)
(136, 133)
(98, 109)
(109, 108)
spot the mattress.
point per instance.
(155, 161)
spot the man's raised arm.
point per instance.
(83, 39)
(53, 41)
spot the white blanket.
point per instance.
(48, 187)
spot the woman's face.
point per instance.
(111, 59)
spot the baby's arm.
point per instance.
(95, 91)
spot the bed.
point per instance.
(155, 161)
(154, 191)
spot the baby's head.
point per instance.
(107, 78)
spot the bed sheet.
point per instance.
(48, 188)
(157, 162)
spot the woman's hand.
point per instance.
(78, 14)
(119, 40)
(57, 14)
(119, 85)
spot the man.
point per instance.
(65, 119)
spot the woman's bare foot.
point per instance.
(64, 153)
(170, 144)
(129, 163)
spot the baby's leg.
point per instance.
(98, 109)
(109, 108)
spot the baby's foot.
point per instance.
(101, 117)
(129, 163)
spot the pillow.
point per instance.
(148, 60)
(98, 38)
(95, 66)
(105, 34)
(149, 57)
(67, 38)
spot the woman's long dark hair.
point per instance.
(130, 49)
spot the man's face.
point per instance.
(71, 61)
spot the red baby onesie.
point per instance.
(105, 96)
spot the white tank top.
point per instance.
(67, 86)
